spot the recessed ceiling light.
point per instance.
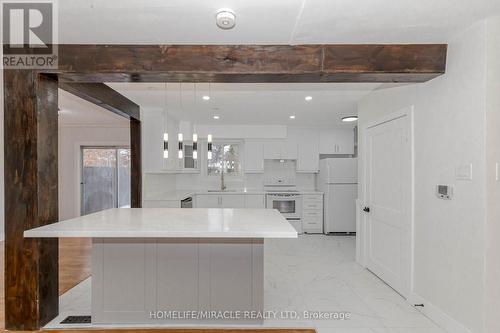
(349, 119)
(308, 98)
(206, 98)
(216, 117)
(292, 117)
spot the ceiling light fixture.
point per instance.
(308, 98)
(206, 98)
(225, 18)
(349, 119)
(292, 117)
(216, 117)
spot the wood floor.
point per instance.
(74, 267)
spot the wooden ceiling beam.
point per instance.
(105, 97)
(252, 63)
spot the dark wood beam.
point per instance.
(135, 164)
(104, 96)
(251, 63)
(31, 198)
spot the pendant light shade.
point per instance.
(209, 141)
(195, 146)
(165, 145)
(181, 146)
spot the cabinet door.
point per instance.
(273, 150)
(162, 204)
(208, 201)
(152, 123)
(233, 201)
(345, 142)
(255, 201)
(254, 157)
(339, 141)
(289, 149)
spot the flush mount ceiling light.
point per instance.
(216, 117)
(308, 98)
(225, 18)
(349, 119)
(206, 98)
(292, 117)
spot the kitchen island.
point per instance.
(175, 266)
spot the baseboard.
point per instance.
(437, 315)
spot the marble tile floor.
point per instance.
(313, 273)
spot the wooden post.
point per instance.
(135, 167)
(31, 267)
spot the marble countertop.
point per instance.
(178, 195)
(171, 223)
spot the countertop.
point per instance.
(171, 223)
(179, 195)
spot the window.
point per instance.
(225, 156)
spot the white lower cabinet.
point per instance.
(162, 204)
(312, 213)
(220, 201)
(232, 201)
(255, 201)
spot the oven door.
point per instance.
(289, 206)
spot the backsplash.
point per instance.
(157, 183)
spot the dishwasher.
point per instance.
(187, 203)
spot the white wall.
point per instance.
(70, 140)
(492, 262)
(449, 131)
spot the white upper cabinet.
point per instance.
(152, 123)
(254, 157)
(338, 141)
(280, 150)
(308, 152)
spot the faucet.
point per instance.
(222, 184)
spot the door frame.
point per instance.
(78, 146)
(361, 235)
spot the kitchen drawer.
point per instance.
(312, 197)
(312, 218)
(318, 205)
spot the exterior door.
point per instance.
(388, 199)
(105, 180)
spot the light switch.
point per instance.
(464, 172)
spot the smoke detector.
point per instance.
(225, 18)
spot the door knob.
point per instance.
(366, 209)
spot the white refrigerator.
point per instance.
(338, 179)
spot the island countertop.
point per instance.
(171, 223)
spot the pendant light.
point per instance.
(209, 141)
(195, 136)
(181, 146)
(179, 136)
(165, 134)
(195, 146)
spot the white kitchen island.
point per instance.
(175, 266)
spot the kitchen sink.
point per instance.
(221, 191)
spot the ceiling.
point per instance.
(74, 111)
(268, 21)
(251, 103)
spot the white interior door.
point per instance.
(388, 198)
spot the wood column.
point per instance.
(135, 164)
(31, 198)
